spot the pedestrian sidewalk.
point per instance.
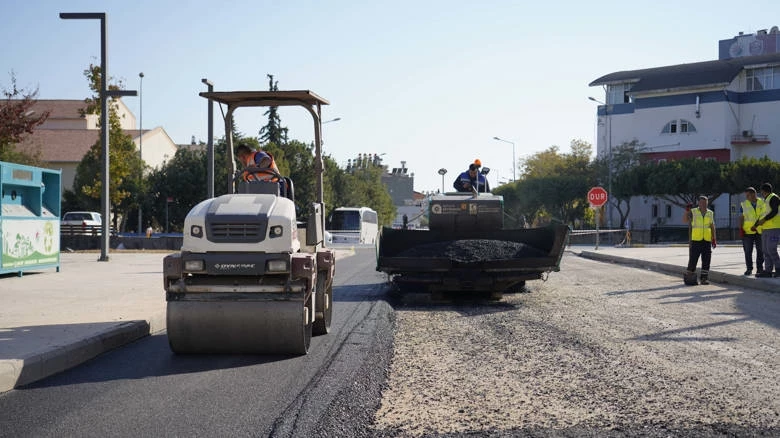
(51, 321)
(727, 265)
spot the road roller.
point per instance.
(252, 277)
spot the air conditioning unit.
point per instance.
(747, 133)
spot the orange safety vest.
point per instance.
(260, 175)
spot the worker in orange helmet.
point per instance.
(472, 179)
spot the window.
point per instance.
(675, 126)
(655, 210)
(765, 78)
(686, 126)
(668, 210)
(618, 93)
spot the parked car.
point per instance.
(81, 223)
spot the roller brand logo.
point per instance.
(232, 266)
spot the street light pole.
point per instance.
(608, 135)
(104, 127)
(322, 142)
(514, 164)
(210, 144)
(442, 172)
(140, 147)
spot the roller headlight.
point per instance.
(193, 265)
(196, 231)
(276, 266)
(276, 231)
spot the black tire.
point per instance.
(324, 304)
(516, 288)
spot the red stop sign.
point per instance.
(597, 196)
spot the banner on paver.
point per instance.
(29, 242)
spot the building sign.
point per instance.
(748, 45)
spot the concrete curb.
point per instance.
(765, 284)
(19, 372)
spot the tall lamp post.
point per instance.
(514, 165)
(210, 144)
(140, 146)
(322, 142)
(105, 93)
(442, 172)
(608, 136)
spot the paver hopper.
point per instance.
(466, 248)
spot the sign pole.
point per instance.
(597, 197)
(597, 209)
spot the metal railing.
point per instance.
(83, 230)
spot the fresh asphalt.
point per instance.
(52, 321)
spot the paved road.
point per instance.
(54, 321)
(144, 389)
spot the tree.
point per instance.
(625, 157)
(182, 180)
(17, 121)
(362, 186)
(751, 172)
(552, 186)
(681, 182)
(124, 163)
(273, 132)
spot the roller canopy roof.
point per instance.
(265, 98)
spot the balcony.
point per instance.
(746, 138)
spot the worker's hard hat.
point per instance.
(477, 163)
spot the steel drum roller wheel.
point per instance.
(257, 327)
(324, 306)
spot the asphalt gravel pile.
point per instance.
(474, 250)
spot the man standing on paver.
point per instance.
(750, 210)
(770, 235)
(702, 222)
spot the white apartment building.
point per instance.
(724, 110)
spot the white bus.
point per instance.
(353, 225)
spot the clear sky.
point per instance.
(426, 82)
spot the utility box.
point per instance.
(29, 218)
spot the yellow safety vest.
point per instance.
(751, 215)
(775, 221)
(701, 225)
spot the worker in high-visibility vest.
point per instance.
(770, 235)
(750, 210)
(702, 238)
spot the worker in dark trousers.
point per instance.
(702, 226)
(770, 235)
(750, 210)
